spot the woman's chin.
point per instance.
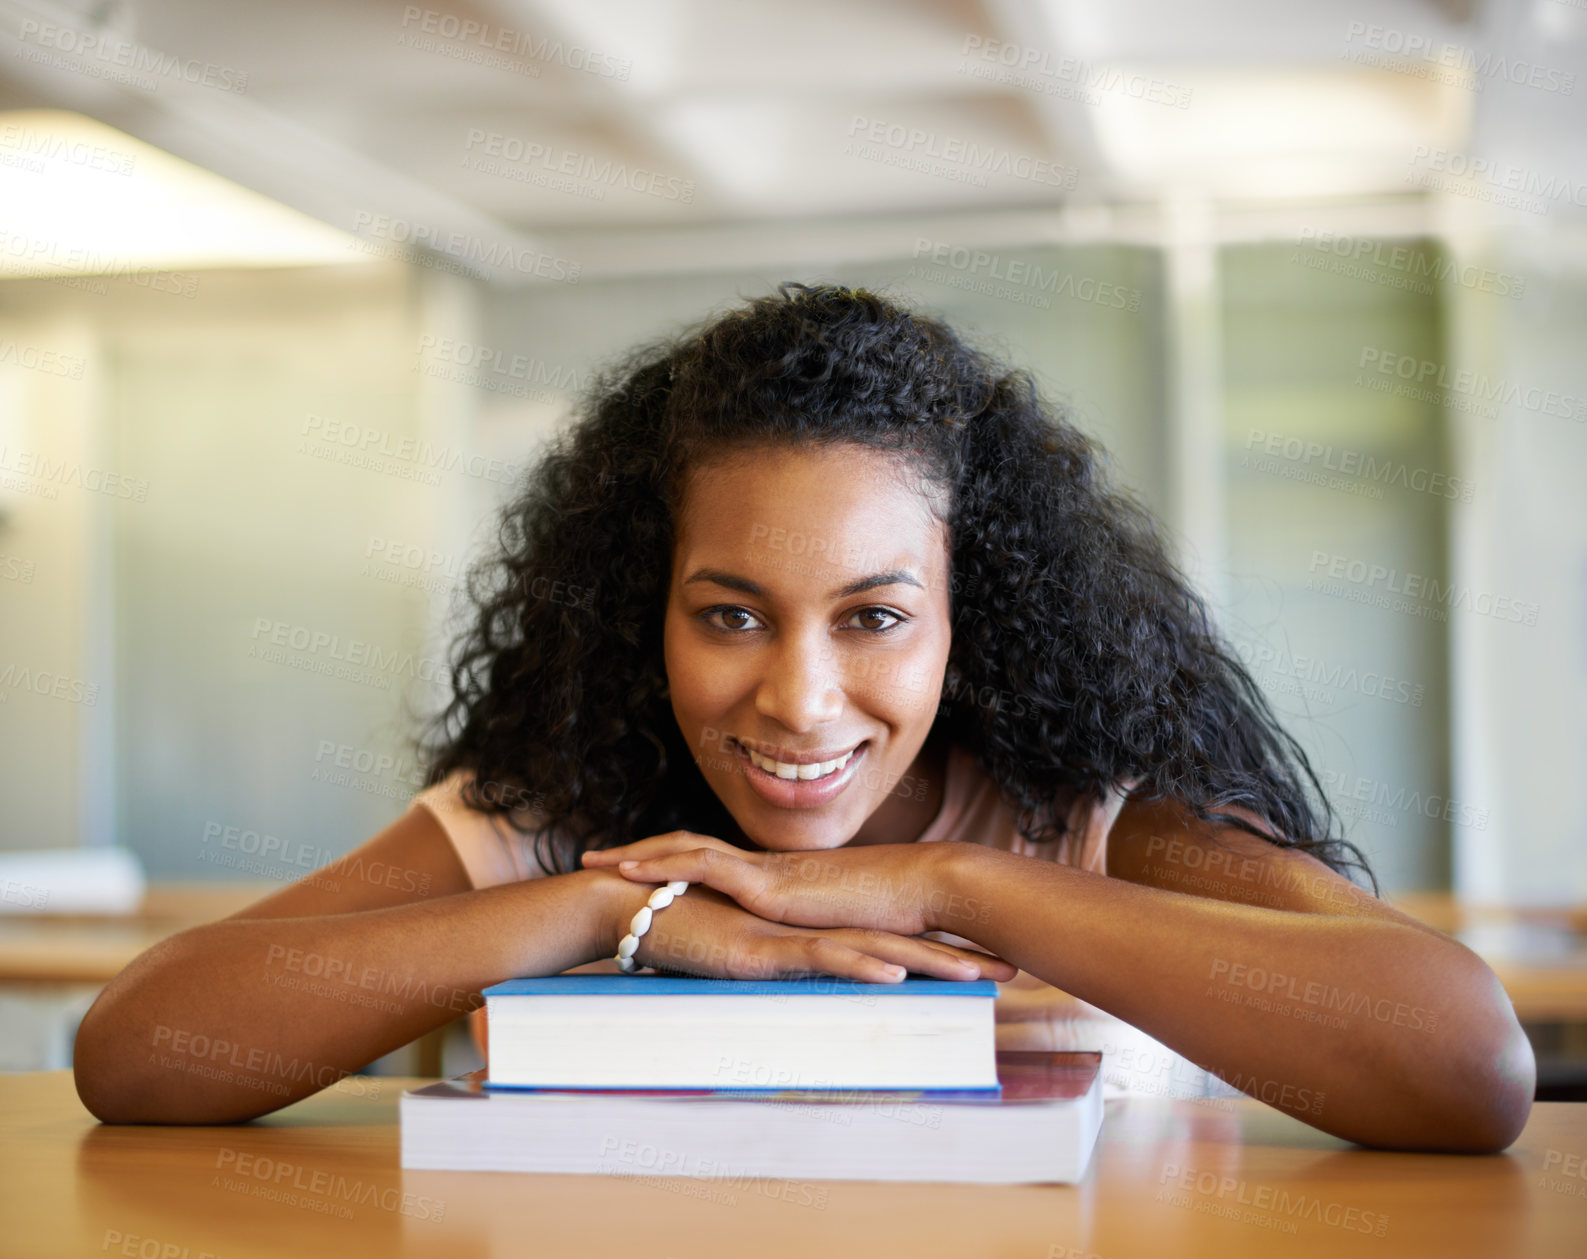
(774, 841)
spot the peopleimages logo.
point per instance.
(50, 146)
(316, 1189)
(1395, 798)
(133, 61)
(1071, 77)
(897, 144)
(39, 359)
(423, 29)
(1484, 392)
(566, 170)
(410, 239)
(33, 472)
(1268, 1206)
(28, 255)
(352, 652)
(1401, 46)
(977, 269)
(1413, 266)
(1357, 463)
(324, 435)
(1501, 183)
(1326, 567)
(1284, 668)
(487, 360)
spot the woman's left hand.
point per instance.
(889, 887)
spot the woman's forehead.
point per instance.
(817, 501)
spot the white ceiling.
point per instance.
(762, 118)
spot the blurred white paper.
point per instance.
(71, 881)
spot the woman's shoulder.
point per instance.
(978, 812)
(492, 849)
(451, 793)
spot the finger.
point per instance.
(731, 875)
(654, 846)
(995, 968)
(826, 955)
(989, 965)
(657, 846)
(924, 957)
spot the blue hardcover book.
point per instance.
(660, 985)
(607, 1032)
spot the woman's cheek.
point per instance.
(903, 688)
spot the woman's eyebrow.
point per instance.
(720, 577)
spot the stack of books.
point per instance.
(817, 1078)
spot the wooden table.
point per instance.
(1168, 1178)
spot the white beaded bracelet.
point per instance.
(659, 900)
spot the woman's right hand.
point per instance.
(707, 934)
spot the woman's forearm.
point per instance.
(1407, 1036)
(242, 1016)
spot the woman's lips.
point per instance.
(799, 793)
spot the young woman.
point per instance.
(828, 614)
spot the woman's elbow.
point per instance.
(1500, 1110)
(118, 1087)
(1490, 1097)
(97, 1100)
(105, 1085)
(93, 1063)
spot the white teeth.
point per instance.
(782, 769)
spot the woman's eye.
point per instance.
(893, 618)
(710, 613)
(738, 620)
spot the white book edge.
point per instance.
(565, 1134)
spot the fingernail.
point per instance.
(623, 865)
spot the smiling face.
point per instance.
(808, 623)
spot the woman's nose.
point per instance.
(803, 685)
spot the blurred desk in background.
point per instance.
(52, 966)
(44, 948)
(1442, 910)
(1540, 956)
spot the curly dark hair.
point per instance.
(559, 691)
